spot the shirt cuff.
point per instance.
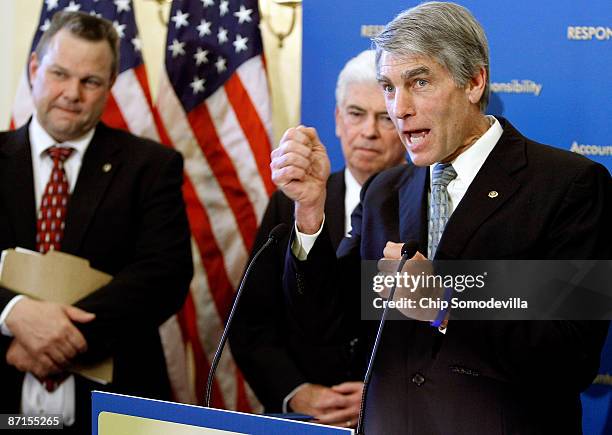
(7, 309)
(303, 243)
(289, 396)
(441, 319)
(36, 400)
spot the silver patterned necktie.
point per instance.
(439, 205)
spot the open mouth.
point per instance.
(416, 138)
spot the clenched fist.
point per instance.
(300, 168)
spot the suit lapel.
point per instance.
(412, 196)
(334, 207)
(100, 163)
(492, 187)
(18, 187)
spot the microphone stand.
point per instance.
(408, 250)
(276, 233)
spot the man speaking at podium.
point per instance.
(478, 189)
(70, 183)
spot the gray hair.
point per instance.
(84, 26)
(445, 32)
(359, 69)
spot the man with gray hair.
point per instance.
(286, 369)
(478, 189)
(70, 183)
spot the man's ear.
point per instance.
(33, 66)
(337, 116)
(476, 86)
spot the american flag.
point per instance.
(129, 106)
(215, 107)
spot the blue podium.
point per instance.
(115, 414)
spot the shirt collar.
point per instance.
(468, 163)
(40, 140)
(350, 182)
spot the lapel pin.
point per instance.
(493, 194)
(107, 167)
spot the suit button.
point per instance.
(418, 379)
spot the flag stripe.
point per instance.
(187, 319)
(174, 343)
(236, 145)
(164, 138)
(112, 115)
(224, 226)
(254, 79)
(141, 75)
(252, 127)
(130, 99)
(210, 327)
(211, 258)
(224, 171)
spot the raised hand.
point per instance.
(300, 168)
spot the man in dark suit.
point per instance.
(287, 370)
(125, 214)
(478, 190)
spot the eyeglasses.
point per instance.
(357, 117)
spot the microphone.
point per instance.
(408, 250)
(277, 233)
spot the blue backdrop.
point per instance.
(551, 76)
(551, 64)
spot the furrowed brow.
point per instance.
(410, 74)
(382, 79)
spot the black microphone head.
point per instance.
(278, 232)
(410, 248)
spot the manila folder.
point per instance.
(55, 277)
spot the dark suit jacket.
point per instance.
(271, 350)
(496, 377)
(129, 222)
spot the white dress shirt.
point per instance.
(468, 163)
(35, 399)
(352, 194)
